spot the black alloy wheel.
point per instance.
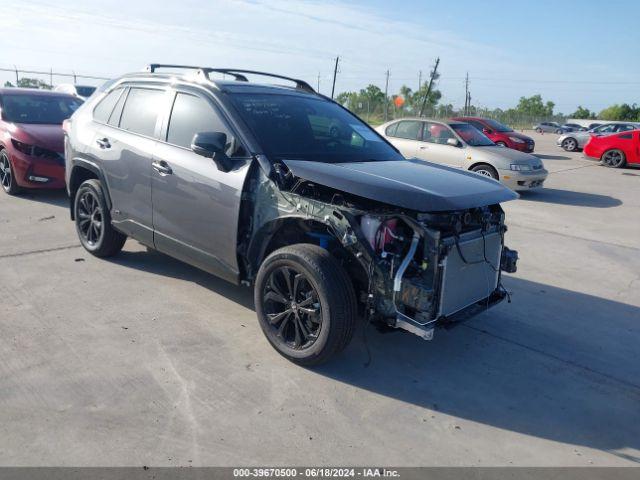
(93, 221)
(292, 307)
(90, 218)
(305, 303)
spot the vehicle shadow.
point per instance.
(551, 157)
(568, 197)
(57, 197)
(159, 264)
(554, 364)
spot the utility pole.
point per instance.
(335, 72)
(466, 94)
(419, 80)
(468, 103)
(17, 77)
(426, 95)
(318, 89)
(386, 98)
(51, 77)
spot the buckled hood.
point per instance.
(412, 184)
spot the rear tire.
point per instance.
(539, 130)
(93, 221)
(305, 304)
(613, 158)
(7, 175)
(559, 132)
(570, 144)
(486, 170)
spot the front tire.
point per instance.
(614, 159)
(7, 175)
(486, 171)
(305, 304)
(570, 144)
(559, 132)
(501, 144)
(93, 221)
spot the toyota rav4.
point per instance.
(283, 189)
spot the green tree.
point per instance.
(621, 112)
(8, 84)
(534, 107)
(26, 82)
(583, 113)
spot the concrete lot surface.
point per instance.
(142, 360)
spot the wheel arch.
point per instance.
(81, 171)
(293, 229)
(476, 164)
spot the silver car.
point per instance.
(549, 127)
(461, 145)
(574, 141)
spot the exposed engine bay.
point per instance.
(412, 270)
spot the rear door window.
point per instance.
(408, 129)
(141, 111)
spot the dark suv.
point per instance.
(281, 188)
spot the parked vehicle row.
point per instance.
(284, 189)
(574, 141)
(615, 150)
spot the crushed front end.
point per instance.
(411, 270)
(437, 269)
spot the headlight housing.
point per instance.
(33, 150)
(519, 167)
(516, 140)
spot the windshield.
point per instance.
(471, 135)
(497, 126)
(309, 128)
(85, 91)
(44, 109)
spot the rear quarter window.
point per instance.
(104, 108)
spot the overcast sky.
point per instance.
(572, 53)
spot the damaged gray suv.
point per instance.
(282, 188)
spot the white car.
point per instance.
(80, 91)
(461, 145)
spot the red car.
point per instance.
(31, 138)
(500, 134)
(615, 150)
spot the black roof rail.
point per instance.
(236, 73)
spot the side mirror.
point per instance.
(487, 131)
(212, 145)
(453, 142)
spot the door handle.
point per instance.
(103, 142)
(162, 167)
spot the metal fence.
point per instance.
(47, 76)
(373, 112)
